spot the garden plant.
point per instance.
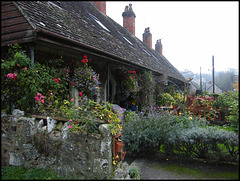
(44, 88)
(185, 134)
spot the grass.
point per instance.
(20, 173)
(194, 173)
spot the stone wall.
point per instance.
(32, 142)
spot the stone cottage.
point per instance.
(70, 29)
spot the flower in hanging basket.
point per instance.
(84, 60)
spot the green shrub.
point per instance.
(179, 134)
(165, 99)
(228, 102)
(207, 142)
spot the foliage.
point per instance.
(179, 134)
(225, 99)
(134, 173)
(145, 95)
(179, 98)
(88, 116)
(234, 115)
(165, 99)
(20, 173)
(228, 102)
(85, 79)
(19, 91)
(203, 101)
(131, 83)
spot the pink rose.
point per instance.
(70, 126)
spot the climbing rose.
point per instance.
(39, 98)
(70, 126)
(56, 80)
(12, 76)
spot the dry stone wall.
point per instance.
(31, 142)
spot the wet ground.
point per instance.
(162, 167)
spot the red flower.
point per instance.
(71, 83)
(80, 94)
(56, 80)
(130, 72)
(15, 76)
(84, 60)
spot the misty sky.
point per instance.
(191, 32)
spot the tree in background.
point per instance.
(225, 80)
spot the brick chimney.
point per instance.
(101, 5)
(158, 46)
(147, 37)
(129, 19)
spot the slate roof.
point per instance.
(84, 23)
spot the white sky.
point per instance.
(191, 31)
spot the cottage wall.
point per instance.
(32, 143)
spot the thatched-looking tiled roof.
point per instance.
(82, 22)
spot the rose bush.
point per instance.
(21, 82)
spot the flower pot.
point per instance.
(122, 155)
(119, 146)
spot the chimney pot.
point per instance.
(147, 37)
(158, 46)
(126, 8)
(129, 19)
(130, 7)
